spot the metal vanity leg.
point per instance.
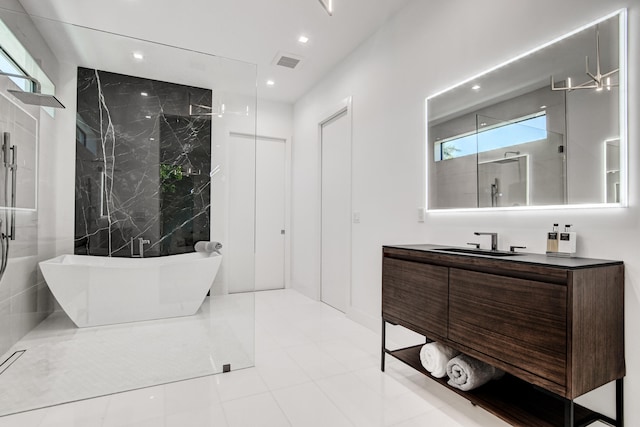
(384, 351)
(568, 413)
(619, 403)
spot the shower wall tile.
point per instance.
(19, 276)
(24, 313)
(143, 156)
(24, 298)
(26, 238)
(5, 321)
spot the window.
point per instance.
(7, 65)
(487, 138)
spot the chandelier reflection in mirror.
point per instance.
(598, 80)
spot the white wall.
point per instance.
(428, 46)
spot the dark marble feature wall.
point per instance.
(142, 165)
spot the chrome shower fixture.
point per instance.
(33, 98)
(10, 158)
(8, 233)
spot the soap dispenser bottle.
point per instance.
(552, 240)
(567, 241)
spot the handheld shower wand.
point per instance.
(9, 154)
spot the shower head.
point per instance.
(33, 98)
(36, 97)
(507, 160)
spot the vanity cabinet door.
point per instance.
(520, 322)
(415, 294)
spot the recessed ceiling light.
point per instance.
(270, 83)
(144, 94)
(147, 117)
(138, 56)
(475, 87)
(152, 139)
(303, 39)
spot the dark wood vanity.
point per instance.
(554, 325)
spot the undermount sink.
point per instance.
(470, 251)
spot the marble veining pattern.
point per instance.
(142, 165)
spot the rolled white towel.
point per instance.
(467, 373)
(209, 247)
(435, 356)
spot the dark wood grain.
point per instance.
(417, 294)
(482, 264)
(520, 322)
(597, 330)
(511, 399)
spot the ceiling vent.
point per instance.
(287, 60)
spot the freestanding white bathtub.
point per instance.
(97, 291)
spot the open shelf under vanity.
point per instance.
(509, 398)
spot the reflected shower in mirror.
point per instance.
(530, 132)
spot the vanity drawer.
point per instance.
(416, 293)
(520, 322)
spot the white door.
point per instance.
(335, 143)
(239, 250)
(270, 213)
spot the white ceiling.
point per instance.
(248, 30)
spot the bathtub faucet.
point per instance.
(141, 243)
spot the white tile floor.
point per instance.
(313, 368)
(63, 363)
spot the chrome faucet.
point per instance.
(494, 239)
(141, 243)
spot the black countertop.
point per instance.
(522, 257)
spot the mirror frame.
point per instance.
(623, 123)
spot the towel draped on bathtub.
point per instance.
(209, 247)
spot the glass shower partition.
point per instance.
(147, 127)
(520, 162)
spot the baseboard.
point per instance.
(307, 291)
(364, 319)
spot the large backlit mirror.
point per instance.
(547, 128)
